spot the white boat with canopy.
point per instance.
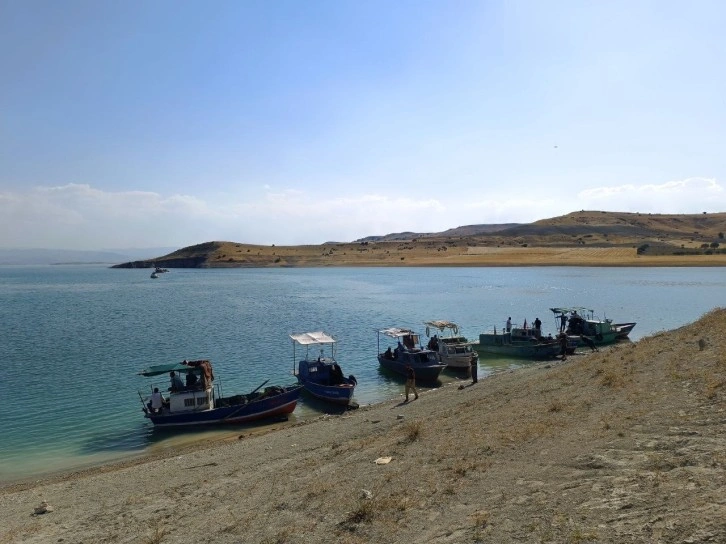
(454, 350)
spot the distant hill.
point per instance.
(469, 230)
(585, 238)
(69, 256)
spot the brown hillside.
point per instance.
(586, 238)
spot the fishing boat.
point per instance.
(321, 376)
(454, 350)
(409, 352)
(521, 342)
(198, 400)
(576, 321)
(154, 275)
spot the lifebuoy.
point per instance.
(428, 333)
(456, 330)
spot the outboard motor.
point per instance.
(352, 379)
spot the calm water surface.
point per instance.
(75, 337)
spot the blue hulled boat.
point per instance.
(409, 352)
(322, 376)
(196, 401)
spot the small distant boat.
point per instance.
(158, 270)
(199, 400)
(322, 377)
(409, 352)
(576, 321)
(455, 351)
(154, 275)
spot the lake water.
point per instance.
(75, 337)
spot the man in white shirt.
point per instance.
(157, 400)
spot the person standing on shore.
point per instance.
(474, 368)
(589, 342)
(563, 345)
(411, 382)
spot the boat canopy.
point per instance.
(157, 370)
(395, 332)
(442, 326)
(309, 338)
(185, 367)
(579, 310)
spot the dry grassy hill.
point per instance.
(585, 238)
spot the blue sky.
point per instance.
(171, 123)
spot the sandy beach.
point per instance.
(622, 445)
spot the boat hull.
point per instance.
(323, 378)
(424, 373)
(337, 394)
(457, 362)
(258, 409)
(622, 330)
(537, 351)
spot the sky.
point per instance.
(170, 123)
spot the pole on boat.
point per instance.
(143, 406)
(259, 386)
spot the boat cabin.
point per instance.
(193, 392)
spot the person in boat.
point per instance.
(410, 382)
(509, 324)
(176, 382)
(537, 324)
(192, 380)
(336, 374)
(563, 321)
(157, 401)
(389, 354)
(576, 323)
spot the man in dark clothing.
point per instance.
(474, 368)
(411, 382)
(563, 345)
(589, 342)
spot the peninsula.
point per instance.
(586, 238)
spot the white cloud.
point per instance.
(691, 195)
(78, 216)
